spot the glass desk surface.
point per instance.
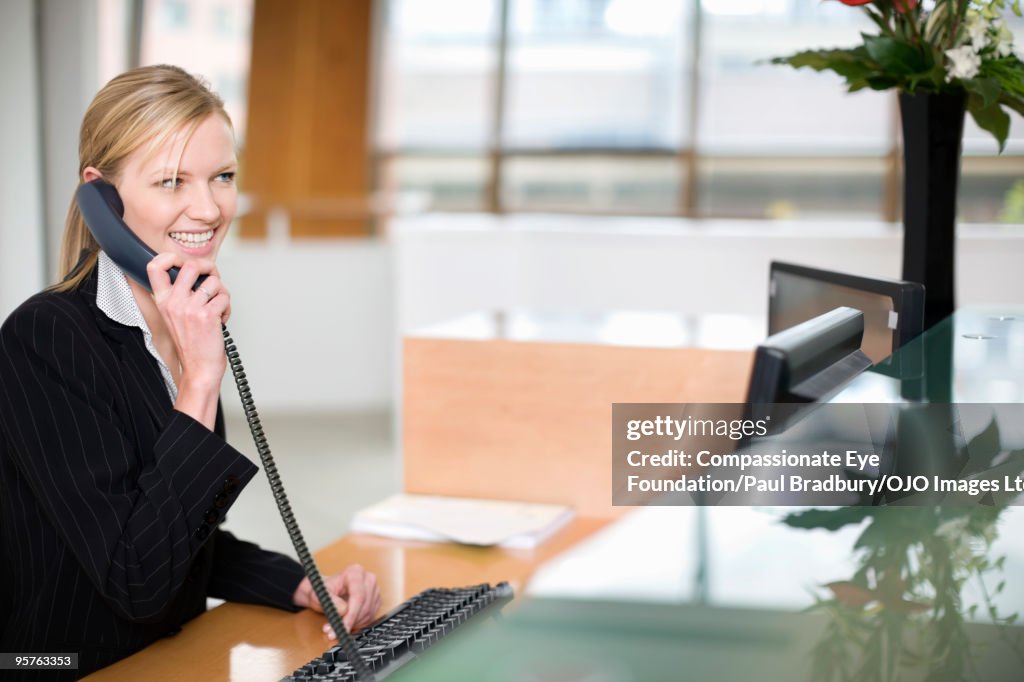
(975, 356)
(905, 593)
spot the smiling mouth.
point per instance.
(193, 240)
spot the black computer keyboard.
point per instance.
(407, 631)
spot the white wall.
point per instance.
(22, 265)
(47, 76)
(313, 322)
(70, 79)
(452, 264)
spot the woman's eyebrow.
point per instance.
(169, 172)
(180, 172)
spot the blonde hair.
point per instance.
(141, 107)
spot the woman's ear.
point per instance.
(90, 174)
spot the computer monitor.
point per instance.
(807, 363)
(893, 309)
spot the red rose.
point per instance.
(854, 3)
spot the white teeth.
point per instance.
(192, 239)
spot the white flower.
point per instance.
(1004, 40)
(977, 28)
(964, 63)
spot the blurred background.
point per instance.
(405, 162)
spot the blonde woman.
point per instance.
(114, 471)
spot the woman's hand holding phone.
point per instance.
(193, 320)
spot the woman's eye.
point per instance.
(170, 183)
(226, 177)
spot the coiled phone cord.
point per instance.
(348, 647)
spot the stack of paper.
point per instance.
(461, 519)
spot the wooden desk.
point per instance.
(500, 417)
(519, 406)
(244, 643)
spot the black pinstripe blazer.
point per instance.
(110, 498)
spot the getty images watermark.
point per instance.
(810, 455)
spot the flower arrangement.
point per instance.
(937, 46)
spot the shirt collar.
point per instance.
(115, 299)
(114, 296)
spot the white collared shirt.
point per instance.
(114, 297)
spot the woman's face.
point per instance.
(188, 213)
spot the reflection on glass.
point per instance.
(250, 662)
(648, 329)
(904, 610)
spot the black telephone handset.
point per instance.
(102, 209)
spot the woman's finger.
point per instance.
(159, 278)
(356, 597)
(210, 287)
(372, 602)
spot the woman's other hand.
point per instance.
(355, 594)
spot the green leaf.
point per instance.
(1009, 71)
(879, 21)
(989, 89)
(897, 57)
(882, 82)
(829, 519)
(850, 64)
(991, 118)
(984, 447)
(1015, 103)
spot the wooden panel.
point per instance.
(308, 106)
(243, 643)
(532, 421)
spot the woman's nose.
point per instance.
(202, 205)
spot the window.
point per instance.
(662, 107)
(208, 38)
(174, 14)
(602, 74)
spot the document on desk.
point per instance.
(470, 521)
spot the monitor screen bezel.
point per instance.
(907, 298)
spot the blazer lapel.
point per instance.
(139, 372)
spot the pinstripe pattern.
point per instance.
(109, 498)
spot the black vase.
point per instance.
(933, 126)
